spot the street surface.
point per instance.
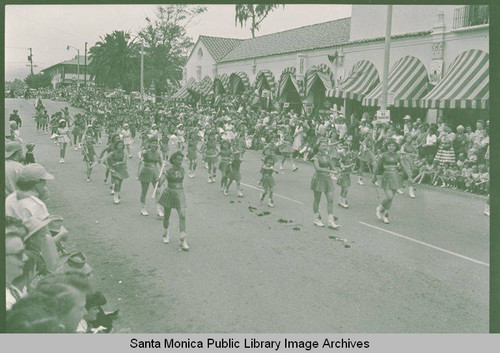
(249, 271)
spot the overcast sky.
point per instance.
(49, 29)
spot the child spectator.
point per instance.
(29, 157)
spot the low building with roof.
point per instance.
(341, 62)
(66, 73)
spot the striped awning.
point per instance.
(320, 72)
(265, 76)
(288, 81)
(408, 83)
(183, 92)
(202, 88)
(361, 80)
(221, 84)
(465, 85)
(238, 80)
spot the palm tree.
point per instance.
(115, 61)
(256, 13)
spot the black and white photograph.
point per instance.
(247, 168)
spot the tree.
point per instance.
(167, 45)
(115, 61)
(254, 12)
(38, 80)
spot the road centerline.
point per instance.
(426, 244)
(275, 194)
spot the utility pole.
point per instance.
(85, 77)
(30, 59)
(387, 49)
(142, 74)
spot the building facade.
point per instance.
(320, 60)
(70, 72)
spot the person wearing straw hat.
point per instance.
(13, 158)
(387, 166)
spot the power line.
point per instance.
(42, 24)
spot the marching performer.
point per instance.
(116, 161)
(408, 155)
(191, 151)
(89, 141)
(210, 151)
(225, 159)
(234, 173)
(286, 148)
(173, 197)
(126, 135)
(347, 162)
(322, 183)
(387, 166)
(149, 173)
(267, 179)
(62, 137)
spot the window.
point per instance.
(198, 73)
(472, 15)
(184, 74)
(200, 53)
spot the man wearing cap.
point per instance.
(13, 157)
(30, 195)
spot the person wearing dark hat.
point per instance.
(14, 116)
(29, 157)
(387, 166)
(13, 157)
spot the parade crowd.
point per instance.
(49, 288)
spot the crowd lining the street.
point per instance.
(48, 288)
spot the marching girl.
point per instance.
(286, 149)
(225, 154)
(62, 137)
(117, 162)
(173, 197)
(164, 140)
(89, 141)
(109, 148)
(347, 162)
(77, 132)
(366, 156)
(267, 179)
(387, 165)
(323, 183)
(127, 138)
(408, 155)
(192, 151)
(234, 173)
(149, 173)
(211, 153)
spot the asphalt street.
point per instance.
(257, 269)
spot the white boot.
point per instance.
(400, 191)
(386, 217)
(360, 181)
(331, 222)
(379, 211)
(116, 199)
(184, 245)
(487, 210)
(411, 192)
(166, 237)
(240, 193)
(159, 209)
(317, 220)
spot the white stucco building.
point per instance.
(341, 61)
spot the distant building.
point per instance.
(66, 73)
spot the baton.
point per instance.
(158, 181)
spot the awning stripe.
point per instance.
(465, 85)
(267, 76)
(287, 78)
(361, 80)
(183, 93)
(321, 72)
(408, 81)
